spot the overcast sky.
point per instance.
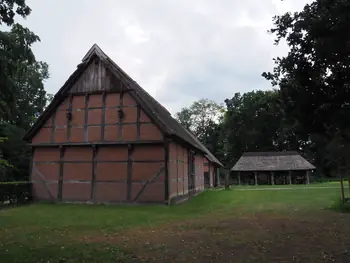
(179, 51)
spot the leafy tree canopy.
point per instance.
(22, 94)
(314, 77)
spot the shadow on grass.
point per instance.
(340, 206)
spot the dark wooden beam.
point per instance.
(93, 176)
(53, 126)
(129, 173)
(290, 177)
(69, 120)
(138, 125)
(307, 177)
(208, 174)
(86, 116)
(161, 170)
(31, 163)
(125, 162)
(107, 107)
(60, 177)
(183, 171)
(166, 169)
(106, 124)
(111, 143)
(103, 116)
(121, 103)
(227, 173)
(177, 170)
(272, 178)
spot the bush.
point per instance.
(15, 193)
(327, 179)
(339, 206)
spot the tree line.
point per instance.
(307, 109)
(22, 93)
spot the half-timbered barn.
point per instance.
(272, 168)
(104, 139)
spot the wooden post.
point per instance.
(227, 173)
(256, 178)
(290, 177)
(218, 176)
(60, 177)
(93, 178)
(129, 173)
(307, 177)
(166, 172)
(239, 178)
(342, 188)
(272, 177)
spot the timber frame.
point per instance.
(108, 110)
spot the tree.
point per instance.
(31, 98)
(254, 121)
(199, 116)
(202, 118)
(9, 8)
(185, 118)
(22, 94)
(314, 77)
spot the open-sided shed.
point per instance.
(104, 139)
(266, 167)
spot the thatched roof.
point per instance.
(272, 161)
(157, 112)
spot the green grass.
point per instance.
(316, 184)
(59, 233)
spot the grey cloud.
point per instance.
(179, 51)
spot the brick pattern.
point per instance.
(178, 170)
(111, 169)
(45, 169)
(89, 112)
(199, 172)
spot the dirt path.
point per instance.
(324, 237)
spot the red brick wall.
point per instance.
(206, 165)
(210, 168)
(199, 172)
(143, 171)
(45, 168)
(111, 173)
(88, 115)
(178, 170)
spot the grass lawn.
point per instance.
(335, 184)
(216, 226)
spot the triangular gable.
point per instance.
(92, 60)
(160, 116)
